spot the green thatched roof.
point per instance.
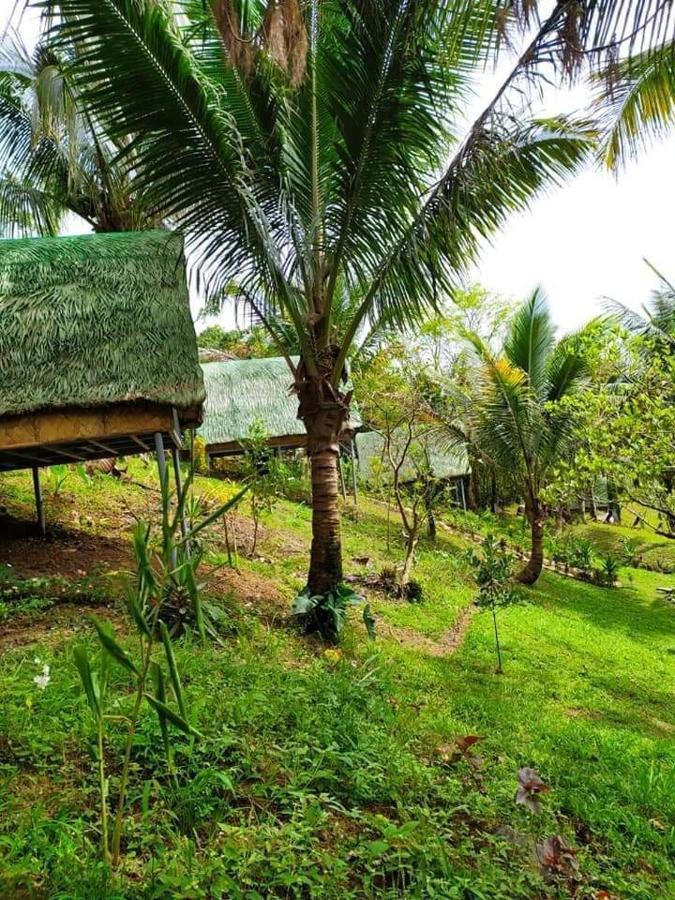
(240, 391)
(95, 320)
(445, 462)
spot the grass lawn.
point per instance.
(334, 775)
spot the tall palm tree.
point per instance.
(309, 150)
(520, 420)
(55, 157)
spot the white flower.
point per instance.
(43, 680)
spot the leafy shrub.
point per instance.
(199, 455)
(326, 614)
(572, 551)
(628, 552)
(607, 571)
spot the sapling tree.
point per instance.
(395, 390)
(261, 472)
(493, 572)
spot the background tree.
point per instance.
(625, 429)
(296, 145)
(521, 421)
(55, 157)
(260, 470)
(396, 391)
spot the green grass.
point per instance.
(654, 552)
(327, 775)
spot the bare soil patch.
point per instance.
(444, 646)
(66, 553)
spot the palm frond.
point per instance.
(530, 338)
(636, 104)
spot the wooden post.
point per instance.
(353, 456)
(179, 490)
(461, 490)
(164, 479)
(342, 478)
(39, 506)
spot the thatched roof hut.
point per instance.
(97, 347)
(446, 463)
(238, 393)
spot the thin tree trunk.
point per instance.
(411, 545)
(532, 570)
(429, 492)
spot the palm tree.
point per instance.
(308, 150)
(656, 321)
(55, 158)
(521, 423)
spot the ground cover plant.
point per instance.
(382, 769)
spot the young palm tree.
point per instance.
(656, 321)
(520, 421)
(309, 151)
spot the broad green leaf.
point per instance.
(369, 621)
(136, 613)
(160, 691)
(172, 717)
(304, 604)
(112, 648)
(173, 669)
(89, 682)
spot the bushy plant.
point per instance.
(629, 552)
(199, 460)
(262, 474)
(573, 551)
(607, 570)
(162, 578)
(326, 614)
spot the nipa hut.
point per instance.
(98, 354)
(241, 392)
(446, 464)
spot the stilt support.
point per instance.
(179, 489)
(354, 483)
(39, 505)
(163, 478)
(342, 478)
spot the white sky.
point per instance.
(581, 242)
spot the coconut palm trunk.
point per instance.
(325, 413)
(531, 572)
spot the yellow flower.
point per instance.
(333, 655)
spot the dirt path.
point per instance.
(55, 625)
(444, 646)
